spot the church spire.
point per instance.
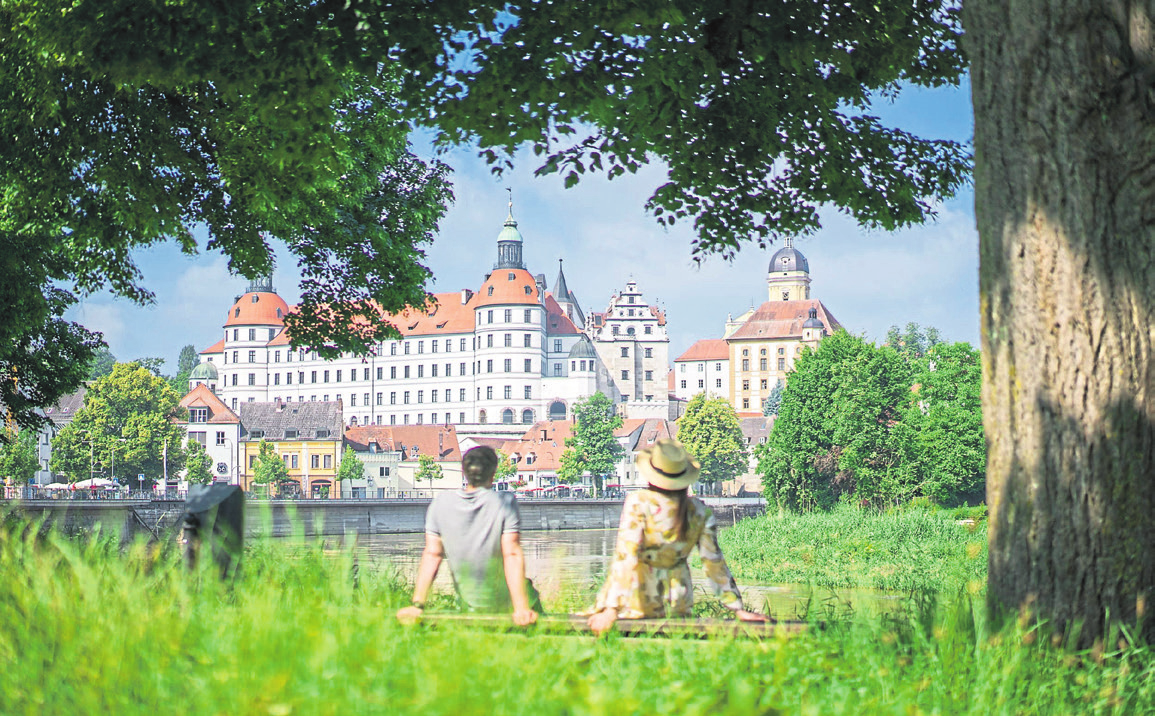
(560, 290)
(509, 241)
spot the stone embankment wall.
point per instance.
(282, 518)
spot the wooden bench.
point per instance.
(572, 624)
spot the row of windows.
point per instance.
(291, 461)
(648, 330)
(527, 365)
(626, 375)
(762, 352)
(649, 352)
(202, 437)
(253, 333)
(507, 314)
(701, 367)
(507, 392)
(762, 363)
(434, 418)
(702, 384)
(508, 417)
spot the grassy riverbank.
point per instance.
(89, 630)
(904, 550)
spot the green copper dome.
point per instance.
(203, 371)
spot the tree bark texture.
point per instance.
(1065, 204)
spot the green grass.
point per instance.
(911, 550)
(89, 629)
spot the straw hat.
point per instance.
(667, 465)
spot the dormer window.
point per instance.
(489, 292)
(511, 276)
(322, 433)
(279, 314)
(237, 313)
(290, 434)
(528, 291)
(256, 298)
(198, 415)
(256, 434)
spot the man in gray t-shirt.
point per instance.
(478, 531)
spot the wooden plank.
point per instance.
(574, 624)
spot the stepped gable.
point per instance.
(545, 441)
(258, 308)
(559, 323)
(313, 420)
(507, 286)
(705, 349)
(411, 441)
(202, 397)
(783, 319)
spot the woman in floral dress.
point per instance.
(660, 526)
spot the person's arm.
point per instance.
(513, 559)
(718, 572)
(431, 558)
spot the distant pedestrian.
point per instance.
(478, 530)
(649, 575)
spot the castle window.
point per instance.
(649, 352)
(528, 291)
(490, 291)
(511, 276)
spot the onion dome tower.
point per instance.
(789, 276)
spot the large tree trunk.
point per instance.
(1065, 204)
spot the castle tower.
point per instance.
(789, 276)
(509, 243)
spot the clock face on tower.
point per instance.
(222, 468)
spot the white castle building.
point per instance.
(512, 352)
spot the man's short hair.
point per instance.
(479, 465)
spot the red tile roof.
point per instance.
(412, 441)
(269, 309)
(782, 319)
(218, 347)
(507, 286)
(444, 314)
(202, 397)
(545, 441)
(659, 314)
(706, 349)
(559, 323)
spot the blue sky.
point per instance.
(869, 280)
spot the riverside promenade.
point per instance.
(282, 518)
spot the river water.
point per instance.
(568, 566)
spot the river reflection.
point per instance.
(568, 567)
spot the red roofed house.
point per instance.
(212, 424)
(703, 368)
(392, 456)
(537, 454)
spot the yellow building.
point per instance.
(764, 342)
(307, 436)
